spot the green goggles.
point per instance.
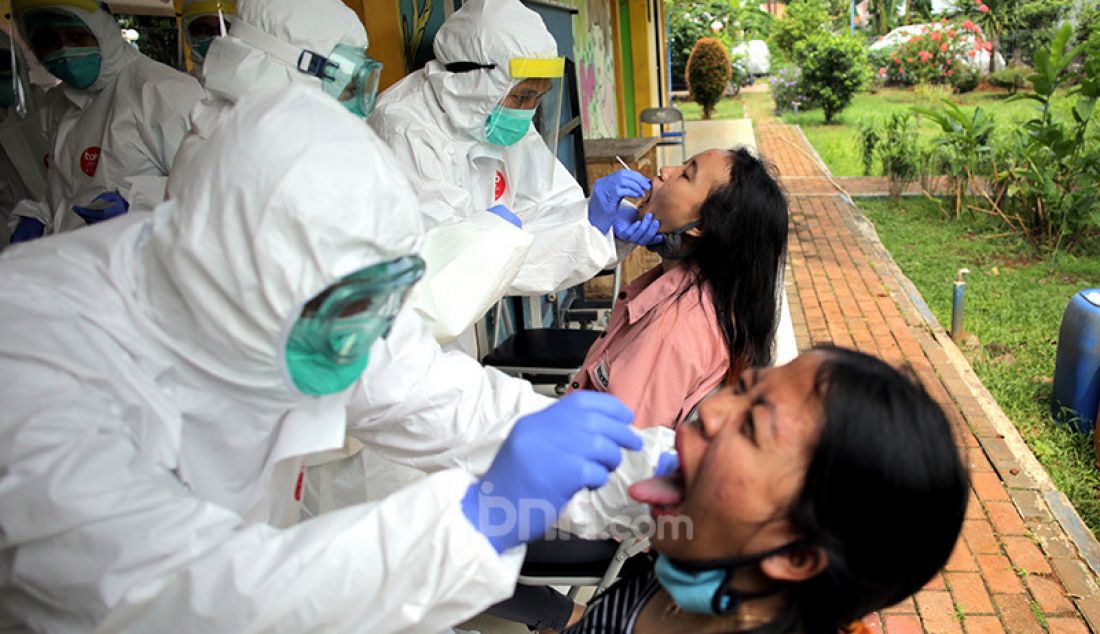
(347, 318)
(348, 75)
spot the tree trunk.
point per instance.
(993, 56)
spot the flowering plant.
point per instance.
(934, 54)
(787, 90)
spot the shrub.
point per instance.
(965, 79)
(787, 90)
(963, 149)
(708, 72)
(1011, 79)
(1048, 185)
(931, 56)
(833, 67)
(897, 151)
(869, 137)
(803, 20)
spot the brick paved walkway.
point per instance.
(1015, 569)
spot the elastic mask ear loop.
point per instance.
(221, 22)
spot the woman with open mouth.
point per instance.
(807, 496)
(710, 309)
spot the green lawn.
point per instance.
(838, 143)
(728, 108)
(1014, 306)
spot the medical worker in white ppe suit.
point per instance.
(22, 134)
(274, 44)
(114, 123)
(462, 126)
(201, 22)
(166, 373)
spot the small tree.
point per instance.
(834, 67)
(708, 72)
(804, 19)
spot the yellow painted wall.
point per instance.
(645, 16)
(383, 21)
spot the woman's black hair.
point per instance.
(884, 496)
(740, 253)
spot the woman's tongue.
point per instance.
(662, 491)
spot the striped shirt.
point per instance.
(616, 610)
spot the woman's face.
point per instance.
(743, 462)
(679, 190)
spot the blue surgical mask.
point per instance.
(201, 44)
(76, 66)
(671, 248)
(703, 587)
(506, 126)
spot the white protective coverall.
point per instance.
(435, 122)
(235, 66)
(23, 146)
(119, 134)
(150, 442)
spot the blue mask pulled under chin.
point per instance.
(704, 587)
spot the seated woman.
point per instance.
(765, 526)
(710, 309)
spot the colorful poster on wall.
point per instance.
(594, 50)
(420, 19)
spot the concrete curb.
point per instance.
(1028, 484)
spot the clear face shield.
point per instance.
(13, 81)
(60, 39)
(347, 73)
(204, 21)
(533, 98)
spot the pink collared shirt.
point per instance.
(663, 349)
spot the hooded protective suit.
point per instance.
(236, 66)
(119, 134)
(195, 10)
(434, 120)
(23, 146)
(150, 437)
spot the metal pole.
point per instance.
(958, 301)
(852, 16)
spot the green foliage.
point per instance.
(1048, 186)
(869, 136)
(1011, 79)
(965, 79)
(1087, 23)
(158, 37)
(897, 152)
(834, 68)
(804, 19)
(689, 20)
(1036, 21)
(708, 72)
(962, 151)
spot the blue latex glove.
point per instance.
(641, 231)
(105, 206)
(506, 213)
(549, 456)
(608, 194)
(28, 229)
(667, 464)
